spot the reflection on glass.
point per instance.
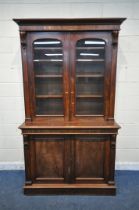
(94, 42)
(90, 57)
(48, 70)
(89, 54)
(46, 42)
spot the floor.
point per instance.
(12, 198)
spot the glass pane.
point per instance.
(48, 71)
(90, 57)
(49, 86)
(49, 106)
(89, 86)
(89, 106)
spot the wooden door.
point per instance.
(91, 158)
(90, 74)
(47, 55)
(50, 158)
(70, 158)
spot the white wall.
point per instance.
(11, 90)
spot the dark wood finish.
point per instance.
(70, 189)
(69, 75)
(27, 154)
(25, 76)
(49, 153)
(82, 24)
(89, 158)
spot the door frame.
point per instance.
(62, 36)
(66, 158)
(106, 158)
(74, 37)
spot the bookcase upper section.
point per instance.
(69, 68)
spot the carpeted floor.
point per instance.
(12, 198)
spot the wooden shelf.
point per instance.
(47, 48)
(49, 96)
(89, 96)
(78, 75)
(50, 115)
(90, 60)
(89, 115)
(48, 60)
(49, 76)
(90, 48)
(90, 75)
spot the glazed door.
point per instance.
(48, 62)
(69, 74)
(90, 74)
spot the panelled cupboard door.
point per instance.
(48, 72)
(91, 159)
(70, 159)
(90, 73)
(49, 159)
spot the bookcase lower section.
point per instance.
(70, 189)
(71, 162)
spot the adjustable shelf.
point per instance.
(49, 76)
(89, 96)
(90, 75)
(47, 60)
(90, 60)
(47, 48)
(90, 48)
(49, 96)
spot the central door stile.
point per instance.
(72, 75)
(72, 158)
(67, 167)
(68, 74)
(69, 159)
(66, 77)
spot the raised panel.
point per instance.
(90, 158)
(49, 158)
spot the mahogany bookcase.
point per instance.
(69, 76)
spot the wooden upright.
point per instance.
(69, 72)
